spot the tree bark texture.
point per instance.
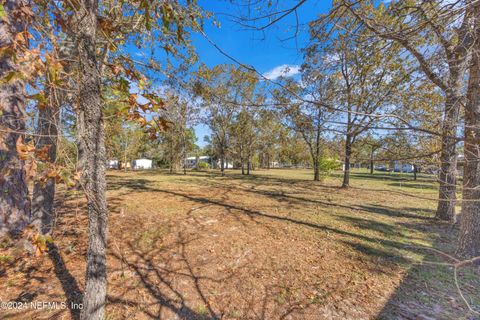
(43, 197)
(448, 157)
(348, 155)
(469, 241)
(14, 200)
(91, 140)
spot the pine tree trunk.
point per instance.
(316, 172)
(348, 154)
(125, 160)
(222, 164)
(43, 196)
(91, 138)
(184, 153)
(448, 157)
(469, 242)
(14, 201)
(371, 162)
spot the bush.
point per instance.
(327, 165)
(203, 166)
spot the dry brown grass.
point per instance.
(272, 246)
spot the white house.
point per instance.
(112, 164)
(140, 164)
(191, 162)
(227, 165)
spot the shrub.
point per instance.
(203, 166)
(327, 166)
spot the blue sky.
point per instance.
(267, 51)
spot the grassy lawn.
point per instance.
(273, 245)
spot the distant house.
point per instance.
(227, 165)
(142, 164)
(112, 164)
(191, 162)
(275, 164)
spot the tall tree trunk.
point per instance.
(43, 196)
(249, 165)
(316, 171)
(222, 164)
(184, 153)
(448, 157)
(415, 170)
(91, 138)
(172, 160)
(184, 164)
(125, 159)
(469, 242)
(371, 161)
(14, 201)
(348, 154)
(242, 163)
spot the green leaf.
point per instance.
(3, 15)
(9, 77)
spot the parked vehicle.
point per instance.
(380, 167)
(403, 167)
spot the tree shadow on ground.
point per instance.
(422, 291)
(69, 284)
(171, 281)
(429, 290)
(252, 214)
(413, 185)
(393, 177)
(156, 273)
(388, 252)
(411, 213)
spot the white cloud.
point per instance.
(284, 70)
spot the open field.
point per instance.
(274, 245)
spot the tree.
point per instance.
(269, 136)
(179, 140)
(370, 76)
(244, 129)
(14, 200)
(308, 119)
(409, 24)
(367, 147)
(244, 135)
(58, 66)
(91, 139)
(223, 90)
(469, 242)
(293, 150)
(126, 141)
